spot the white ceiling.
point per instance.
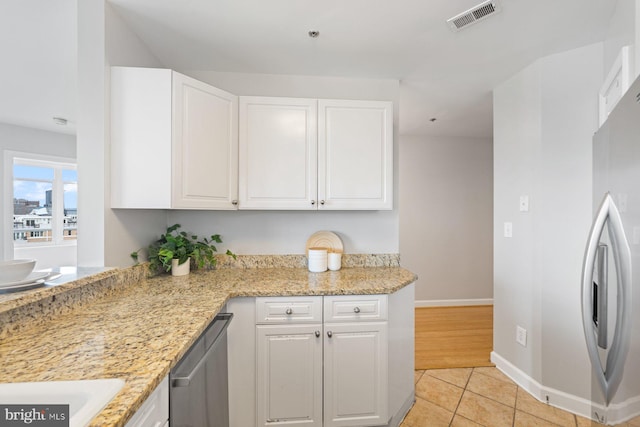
(443, 74)
(38, 54)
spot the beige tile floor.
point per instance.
(469, 397)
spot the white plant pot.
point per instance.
(180, 269)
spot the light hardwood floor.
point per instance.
(467, 392)
(453, 337)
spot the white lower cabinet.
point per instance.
(154, 411)
(321, 373)
(355, 374)
(289, 381)
(321, 360)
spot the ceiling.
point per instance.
(444, 74)
(38, 48)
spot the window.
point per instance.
(45, 202)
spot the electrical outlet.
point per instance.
(521, 336)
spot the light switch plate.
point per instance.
(508, 229)
(524, 203)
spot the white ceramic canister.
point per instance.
(317, 258)
(334, 260)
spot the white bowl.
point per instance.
(16, 270)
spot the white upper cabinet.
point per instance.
(205, 146)
(178, 143)
(278, 145)
(174, 142)
(312, 154)
(355, 154)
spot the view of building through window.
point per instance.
(45, 202)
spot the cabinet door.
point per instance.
(204, 146)
(289, 375)
(355, 374)
(278, 149)
(355, 154)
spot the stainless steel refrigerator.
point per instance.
(611, 267)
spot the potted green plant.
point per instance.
(175, 250)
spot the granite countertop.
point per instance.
(75, 276)
(139, 328)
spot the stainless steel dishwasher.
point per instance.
(199, 384)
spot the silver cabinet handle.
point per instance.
(322, 202)
(356, 309)
(317, 334)
(234, 202)
(289, 311)
(329, 334)
(313, 202)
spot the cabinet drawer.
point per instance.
(355, 308)
(288, 310)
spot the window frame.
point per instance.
(57, 226)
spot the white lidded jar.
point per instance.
(334, 261)
(317, 258)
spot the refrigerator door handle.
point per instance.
(610, 376)
(600, 295)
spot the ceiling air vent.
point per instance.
(473, 15)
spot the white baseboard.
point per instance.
(620, 413)
(397, 419)
(617, 413)
(453, 302)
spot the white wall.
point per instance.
(446, 211)
(621, 32)
(516, 138)
(286, 232)
(637, 38)
(91, 133)
(126, 229)
(568, 84)
(106, 237)
(544, 119)
(48, 257)
(29, 140)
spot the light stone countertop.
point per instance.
(78, 275)
(138, 328)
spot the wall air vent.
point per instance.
(473, 15)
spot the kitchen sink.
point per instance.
(86, 398)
